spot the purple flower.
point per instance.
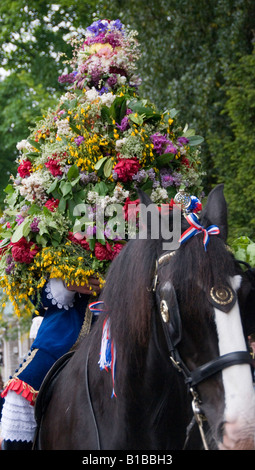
(103, 90)
(124, 125)
(169, 178)
(117, 25)
(10, 268)
(79, 140)
(96, 75)
(159, 141)
(34, 225)
(151, 174)
(166, 178)
(91, 231)
(19, 219)
(170, 148)
(182, 141)
(139, 176)
(97, 27)
(10, 264)
(177, 178)
(113, 40)
(88, 178)
(162, 144)
(112, 80)
(67, 78)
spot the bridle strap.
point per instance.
(216, 365)
(201, 373)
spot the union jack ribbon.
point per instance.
(107, 358)
(95, 307)
(195, 228)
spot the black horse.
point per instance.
(181, 352)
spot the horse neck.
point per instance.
(155, 396)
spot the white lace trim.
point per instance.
(36, 323)
(18, 421)
(58, 294)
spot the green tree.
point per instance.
(188, 47)
(235, 157)
(32, 40)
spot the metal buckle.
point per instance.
(198, 416)
(176, 364)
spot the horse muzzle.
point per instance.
(237, 436)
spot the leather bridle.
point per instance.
(201, 373)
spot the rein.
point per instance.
(201, 373)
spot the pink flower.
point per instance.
(54, 167)
(24, 251)
(117, 249)
(79, 240)
(130, 209)
(126, 168)
(52, 204)
(104, 252)
(25, 168)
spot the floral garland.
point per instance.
(100, 144)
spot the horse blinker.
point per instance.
(169, 311)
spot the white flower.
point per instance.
(92, 197)
(24, 144)
(119, 143)
(121, 80)
(63, 127)
(107, 99)
(92, 95)
(33, 188)
(67, 97)
(120, 194)
(158, 194)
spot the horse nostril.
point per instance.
(220, 432)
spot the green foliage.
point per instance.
(236, 154)
(190, 54)
(32, 40)
(244, 250)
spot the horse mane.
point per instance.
(128, 297)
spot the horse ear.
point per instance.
(215, 211)
(144, 198)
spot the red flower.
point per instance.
(54, 167)
(24, 251)
(52, 204)
(117, 249)
(25, 168)
(104, 252)
(75, 238)
(126, 168)
(131, 209)
(185, 162)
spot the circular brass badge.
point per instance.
(223, 296)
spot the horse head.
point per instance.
(205, 302)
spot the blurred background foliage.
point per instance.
(197, 56)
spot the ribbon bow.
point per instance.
(195, 228)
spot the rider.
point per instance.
(66, 319)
